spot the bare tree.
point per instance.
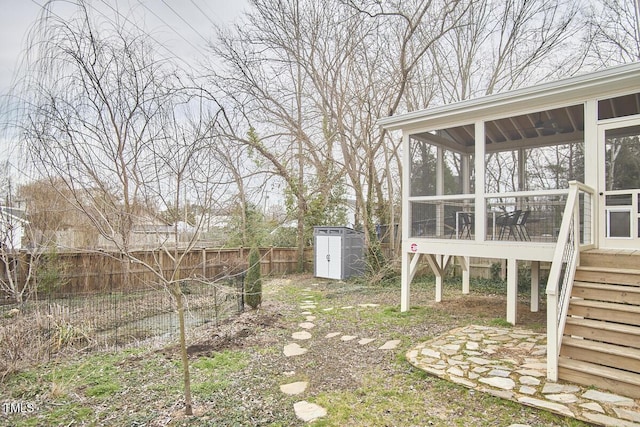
(312, 77)
(613, 32)
(109, 121)
(503, 45)
(271, 109)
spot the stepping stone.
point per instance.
(537, 366)
(294, 388)
(430, 353)
(499, 373)
(454, 370)
(348, 337)
(309, 411)
(553, 407)
(472, 345)
(310, 318)
(562, 397)
(608, 398)
(332, 334)
(368, 305)
(531, 373)
(307, 325)
(365, 341)
(304, 335)
(526, 380)
(625, 414)
(327, 309)
(592, 406)
(306, 313)
(294, 350)
(605, 420)
(390, 345)
(347, 307)
(559, 388)
(498, 382)
(307, 306)
(525, 389)
(479, 360)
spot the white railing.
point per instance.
(576, 232)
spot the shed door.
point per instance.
(328, 257)
(620, 181)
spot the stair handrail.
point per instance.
(565, 260)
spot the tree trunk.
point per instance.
(177, 293)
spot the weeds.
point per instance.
(239, 385)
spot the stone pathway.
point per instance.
(507, 363)
(511, 364)
(310, 411)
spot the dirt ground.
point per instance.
(330, 367)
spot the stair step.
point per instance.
(615, 356)
(597, 330)
(618, 381)
(605, 292)
(618, 313)
(619, 259)
(616, 276)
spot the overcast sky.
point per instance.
(165, 19)
(180, 25)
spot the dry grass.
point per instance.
(237, 368)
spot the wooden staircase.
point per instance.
(601, 342)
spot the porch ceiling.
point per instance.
(539, 128)
(533, 129)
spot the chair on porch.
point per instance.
(521, 225)
(462, 223)
(466, 221)
(508, 225)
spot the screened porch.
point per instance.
(526, 165)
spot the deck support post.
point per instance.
(512, 290)
(464, 264)
(535, 286)
(409, 268)
(438, 264)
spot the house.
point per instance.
(549, 173)
(147, 231)
(12, 224)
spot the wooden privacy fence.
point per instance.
(100, 271)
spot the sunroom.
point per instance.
(537, 174)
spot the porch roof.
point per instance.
(528, 113)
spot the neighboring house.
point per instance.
(549, 173)
(12, 228)
(148, 231)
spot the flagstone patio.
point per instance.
(511, 364)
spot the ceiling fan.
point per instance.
(548, 125)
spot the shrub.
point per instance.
(252, 281)
(496, 271)
(50, 272)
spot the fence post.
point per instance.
(240, 290)
(215, 303)
(204, 263)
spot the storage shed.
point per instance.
(338, 252)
